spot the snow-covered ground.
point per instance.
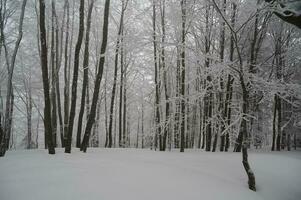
(130, 174)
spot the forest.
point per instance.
(159, 83)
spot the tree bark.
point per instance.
(115, 73)
(44, 63)
(85, 78)
(75, 77)
(66, 75)
(183, 102)
(92, 114)
(165, 80)
(157, 81)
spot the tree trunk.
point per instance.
(209, 95)
(92, 114)
(115, 74)
(47, 109)
(183, 11)
(75, 77)
(157, 81)
(85, 78)
(124, 123)
(29, 118)
(142, 126)
(251, 176)
(66, 75)
(53, 77)
(165, 81)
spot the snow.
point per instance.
(130, 174)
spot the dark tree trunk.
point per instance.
(209, 95)
(53, 76)
(183, 10)
(229, 88)
(75, 77)
(157, 82)
(66, 75)
(59, 54)
(47, 109)
(177, 102)
(115, 75)
(124, 123)
(138, 130)
(222, 52)
(121, 91)
(92, 114)
(251, 176)
(86, 77)
(29, 117)
(165, 81)
(274, 122)
(142, 126)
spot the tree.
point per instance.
(91, 118)
(86, 77)
(183, 40)
(75, 77)
(165, 79)
(66, 74)
(245, 96)
(5, 136)
(157, 81)
(117, 49)
(44, 63)
(54, 78)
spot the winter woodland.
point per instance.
(150, 84)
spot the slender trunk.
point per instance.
(86, 77)
(209, 95)
(44, 63)
(138, 129)
(75, 77)
(66, 76)
(251, 176)
(92, 114)
(37, 133)
(222, 52)
(124, 123)
(58, 58)
(177, 102)
(142, 126)
(115, 75)
(106, 107)
(121, 90)
(157, 74)
(274, 122)
(183, 40)
(29, 118)
(165, 81)
(53, 77)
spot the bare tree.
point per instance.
(117, 49)
(75, 77)
(91, 118)
(86, 77)
(245, 96)
(47, 109)
(4, 140)
(183, 40)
